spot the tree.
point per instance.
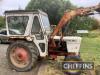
(2, 22)
(81, 23)
(54, 8)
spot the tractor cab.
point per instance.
(29, 25)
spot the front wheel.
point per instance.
(73, 59)
(22, 56)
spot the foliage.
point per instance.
(94, 33)
(81, 23)
(2, 22)
(54, 8)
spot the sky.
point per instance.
(16, 4)
(12, 5)
(85, 3)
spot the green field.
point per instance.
(90, 49)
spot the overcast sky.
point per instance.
(12, 5)
(16, 4)
(85, 3)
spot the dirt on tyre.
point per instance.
(22, 56)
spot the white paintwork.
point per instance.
(45, 40)
(73, 43)
(45, 29)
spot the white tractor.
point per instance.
(36, 40)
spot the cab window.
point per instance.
(36, 26)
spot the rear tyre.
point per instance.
(22, 56)
(73, 58)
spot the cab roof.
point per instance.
(25, 12)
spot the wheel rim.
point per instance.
(20, 57)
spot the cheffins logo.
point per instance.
(77, 65)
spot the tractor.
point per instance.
(37, 40)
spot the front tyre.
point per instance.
(22, 56)
(73, 59)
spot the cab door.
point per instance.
(40, 39)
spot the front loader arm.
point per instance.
(66, 18)
(73, 13)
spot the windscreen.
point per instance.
(46, 24)
(17, 24)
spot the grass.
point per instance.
(90, 49)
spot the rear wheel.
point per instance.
(22, 56)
